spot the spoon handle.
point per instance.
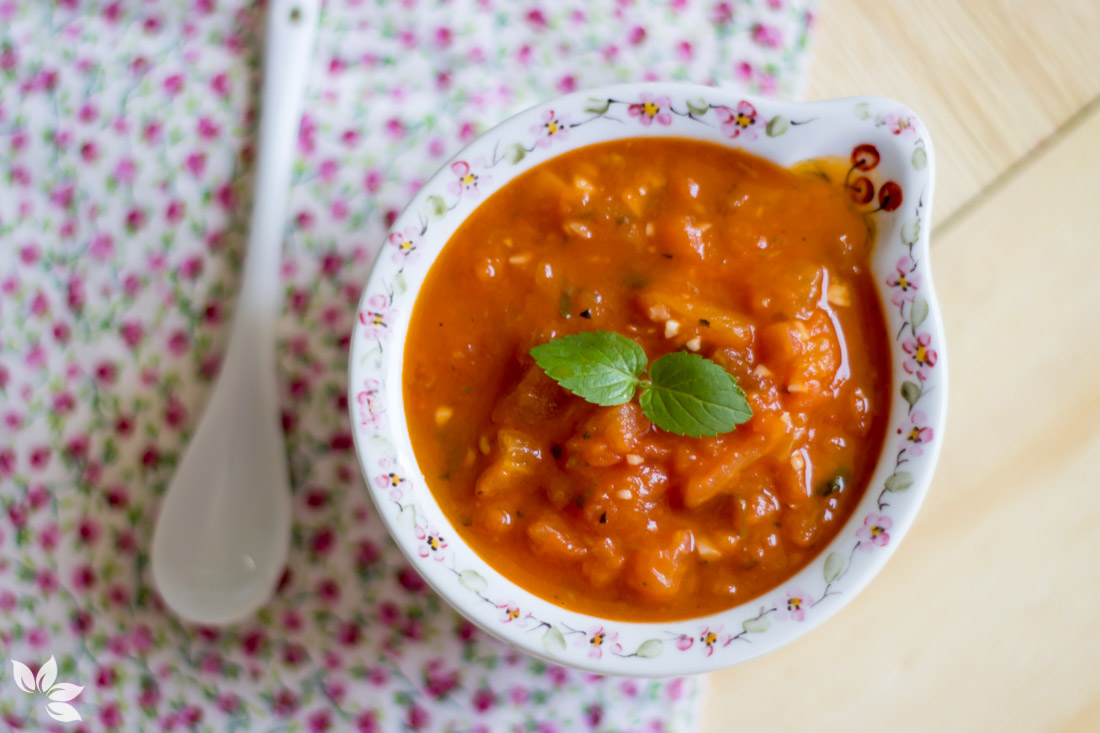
(291, 31)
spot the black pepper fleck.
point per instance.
(586, 313)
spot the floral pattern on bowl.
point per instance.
(890, 176)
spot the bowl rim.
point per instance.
(660, 649)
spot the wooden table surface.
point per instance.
(988, 616)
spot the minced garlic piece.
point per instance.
(579, 229)
(671, 328)
(762, 372)
(706, 550)
(635, 203)
(443, 414)
(838, 295)
(659, 313)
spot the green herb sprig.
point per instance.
(685, 393)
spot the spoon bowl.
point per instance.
(221, 541)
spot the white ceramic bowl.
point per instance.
(899, 176)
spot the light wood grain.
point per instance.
(990, 78)
(988, 616)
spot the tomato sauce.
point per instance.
(679, 245)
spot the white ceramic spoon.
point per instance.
(221, 539)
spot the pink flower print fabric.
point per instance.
(126, 151)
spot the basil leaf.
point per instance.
(598, 366)
(690, 395)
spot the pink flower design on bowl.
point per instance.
(598, 638)
(901, 124)
(512, 615)
(920, 358)
(736, 122)
(371, 408)
(874, 532)
(710, 637)
(376, 318)
(917, 434)
(795, 606)
(432, 544)
(905, 282)
(393, 481)
(652, 108)
(404, 244)
(554, 127)
(466, 180)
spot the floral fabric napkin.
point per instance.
(125, 156)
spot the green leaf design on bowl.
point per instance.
(553, 641)
(698, 107)
(919, 159)
(834, 566)
(407, 515)
(472, 580)
(597, 106)
(757, 625)
(777, 126)
(514, 153)
(919, 312)
(910, 392)
(436, 206)
(900, 481)
(910, 232)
